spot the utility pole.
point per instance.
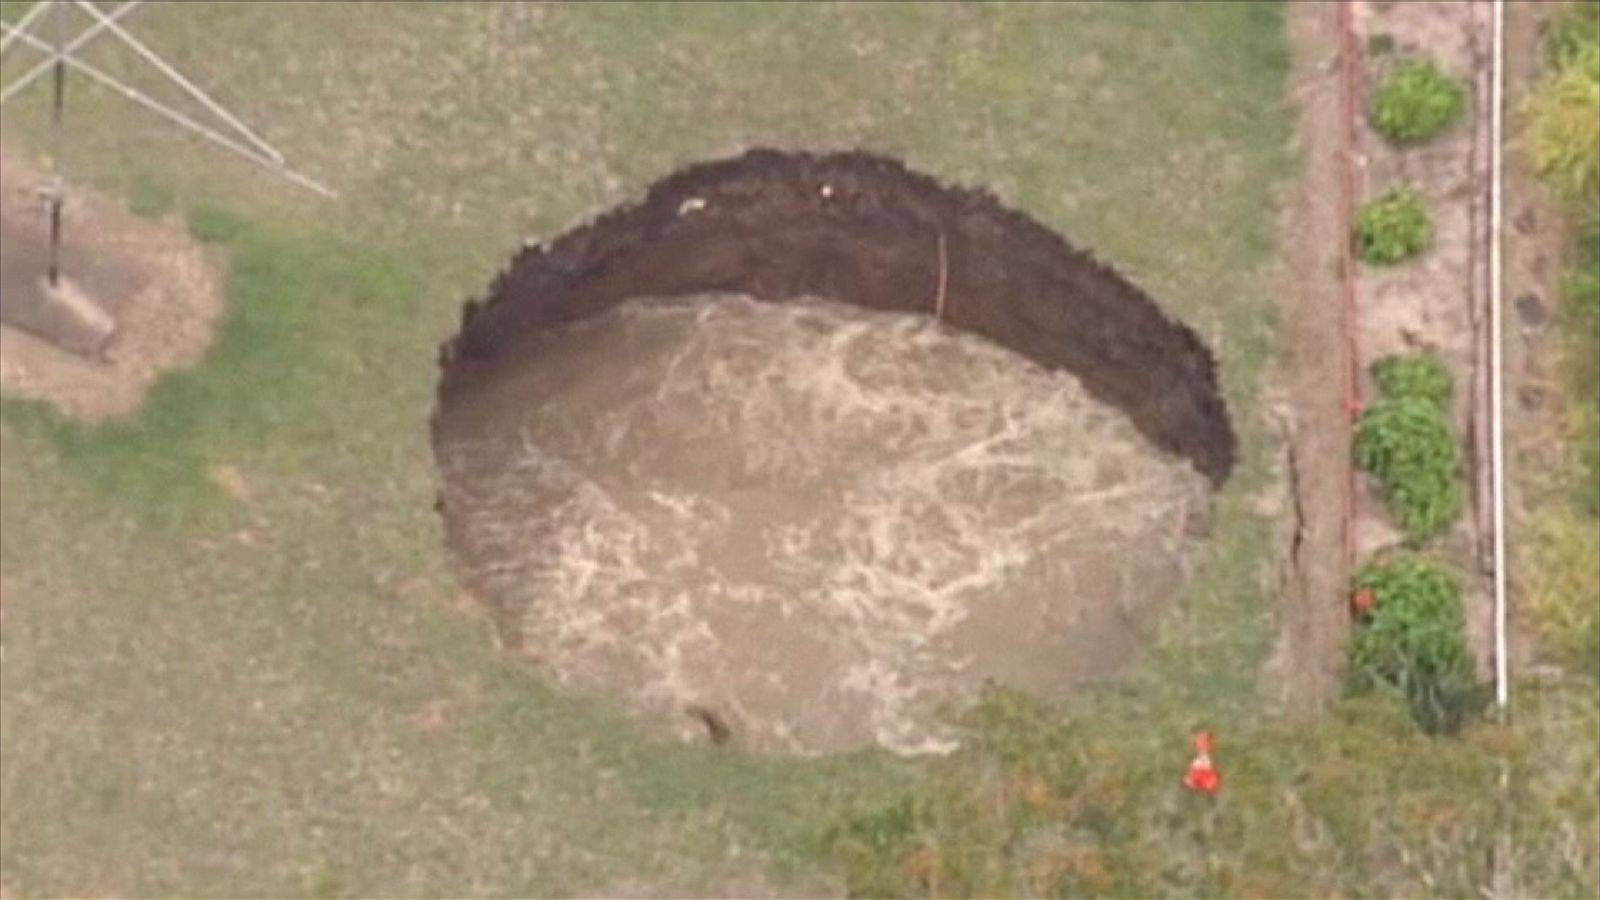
(57, 140)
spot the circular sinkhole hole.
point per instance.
(802, 451)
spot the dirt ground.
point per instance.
(1303, 673)
(162, 287)
(1436, 302)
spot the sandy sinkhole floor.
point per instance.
(815, 521)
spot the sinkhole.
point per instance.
(801, 451)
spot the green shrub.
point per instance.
(1412, 643)
(1407, 443)
(1393, 228)
(1423, 376)
(1417, 101)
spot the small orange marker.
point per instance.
(1203, 777)
(1363, 601)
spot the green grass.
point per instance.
(1561, 117)
(1357, 804)
(1580, 332)
(275, 695)
(149, 198)
(210, 224)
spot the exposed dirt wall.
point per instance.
(864, 230)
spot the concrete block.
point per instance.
(62, 314)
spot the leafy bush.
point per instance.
(1417, 101)
(1564, 111)
(1407, 442)
(1412, 643)
(1392, 228)
(1423, 376)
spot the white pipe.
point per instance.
(22, 24)
(181, 119)
(15, 31)
(1497, 453)
(177, 77)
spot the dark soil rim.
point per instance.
(866, 230)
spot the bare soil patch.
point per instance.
(1312, 624)
(163, 288)
(821, 538)
(1435, 302)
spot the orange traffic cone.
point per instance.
(1203, 777)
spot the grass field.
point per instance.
(1560, 117)
(273, 691)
